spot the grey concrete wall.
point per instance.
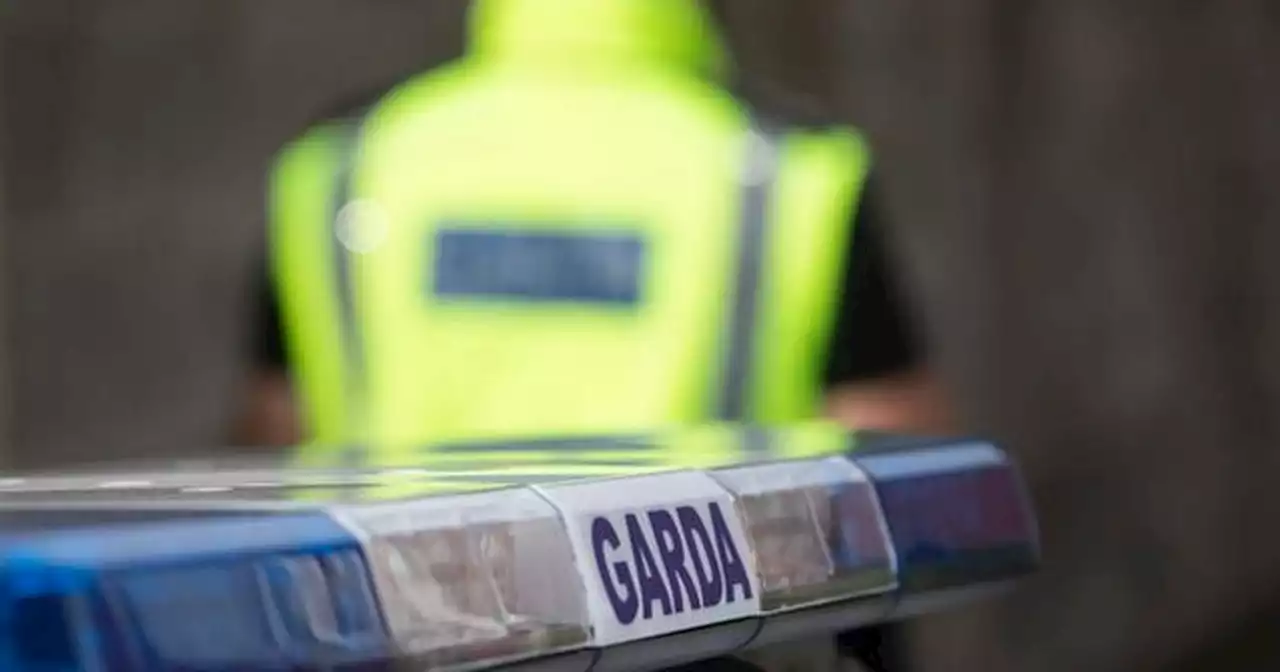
(6, 444)
(138, 134)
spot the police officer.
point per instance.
(574, 230)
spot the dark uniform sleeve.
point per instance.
(872, 336)
(268, 337)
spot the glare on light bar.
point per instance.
(816, 530)
(615, 555)
(474, 578)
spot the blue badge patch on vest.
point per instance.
(501, 264)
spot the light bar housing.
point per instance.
(640, 558)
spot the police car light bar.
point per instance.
(600, 573)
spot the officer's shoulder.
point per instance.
(355, 106)
(796, 119)
(817, 139)
(809, 126)
(426, 89)
(781, 110)
(812, 132)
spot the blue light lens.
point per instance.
(956, 512)
(272, 593)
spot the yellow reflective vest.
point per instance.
(570, 231)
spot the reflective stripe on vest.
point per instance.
(345, 221)
(759, 174)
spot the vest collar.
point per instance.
(667, 33)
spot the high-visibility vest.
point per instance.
(568, 232)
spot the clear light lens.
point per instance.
(816, 529)
(473, 578)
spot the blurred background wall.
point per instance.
(136, 135)
(4, 305)
(1085, 195)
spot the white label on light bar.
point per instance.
(659, 554)
(467, 579)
